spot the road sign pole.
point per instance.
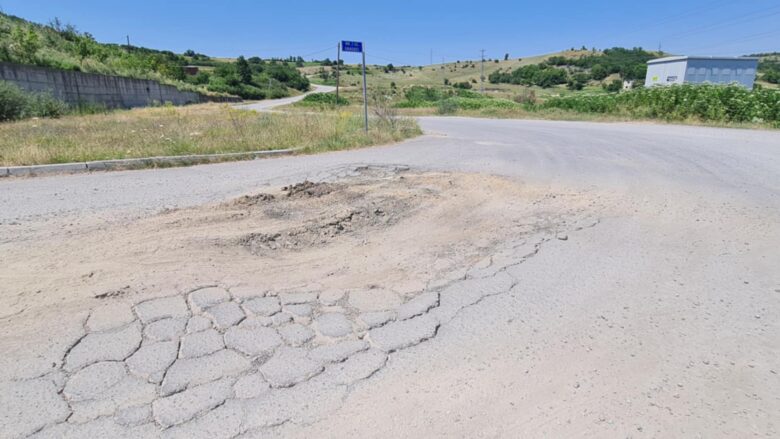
(365, 92)
(338, 67)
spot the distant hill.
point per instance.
(63, 46)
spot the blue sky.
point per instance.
(405, 32)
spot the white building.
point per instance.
(701, 69)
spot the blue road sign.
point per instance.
(352, 46)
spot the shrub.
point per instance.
(447, 106)
(324, 99)
(13, 101)
(680, 102)
(613, 86)
(465, 85)
(45, 105)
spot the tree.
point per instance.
(243, 70)
(85, 47)
(506, 57)
(25, 43)
(598, 72)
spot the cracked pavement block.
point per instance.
(302, 310)
(164, 307)
(85, 411)
(225, 314)
(331, 297)
(418, 305)
(304, 403)
(289, 366)
(207, 297)
(194, 371)
(197, 324)
(104, 346)
(471, 291)
(357, 367)
(90, 382)
(253, 341)
(165, 329)
(376, 299)
(244, 292)
(405, 333)
(201, 343)
(281, 318)
(132, 416)
(250, 386)
(255, 322)
(263, 306)
(183, 406)
(109, 317)
(99, 428)
(337, 352)
(224, 422)
(151, 361)
(333, 325)
(297, 298)
(374, 319)
(28, 406)
(295, 334)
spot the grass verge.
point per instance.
(196, 129)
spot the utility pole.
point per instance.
(128, 40)
(443, 74)
(338, 67)
(482, 74)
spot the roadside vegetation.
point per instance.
(195, 129)
(696, 104)
(63, 46)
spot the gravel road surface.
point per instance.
(651, 311)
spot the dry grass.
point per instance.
(197, 129)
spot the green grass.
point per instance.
(196, 129)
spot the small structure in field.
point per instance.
(701, 69)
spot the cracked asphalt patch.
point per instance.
(255, 351)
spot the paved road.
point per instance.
(603, 155)
(658, 320)
(269, 104)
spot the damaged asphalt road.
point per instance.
(492, 278)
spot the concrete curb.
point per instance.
(146, 162)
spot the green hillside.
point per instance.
(63, 46)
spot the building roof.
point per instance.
(685, 58)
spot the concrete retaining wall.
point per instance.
(111, 91)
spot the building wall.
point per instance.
(665, 73)
(700, 71)
(722, 71)
(111, 91)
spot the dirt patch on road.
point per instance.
(385, 228)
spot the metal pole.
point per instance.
(365, 92)
(338, 67)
